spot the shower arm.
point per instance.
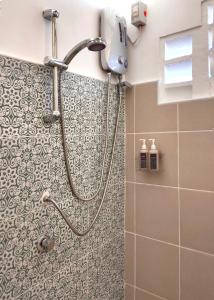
(74, 51)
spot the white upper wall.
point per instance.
(26, 35)
(164, 17)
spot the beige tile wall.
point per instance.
(169, 214)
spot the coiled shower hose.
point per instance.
(74, 191)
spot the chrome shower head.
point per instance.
(97, 44)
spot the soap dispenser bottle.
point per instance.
(143, 155)
(153, 157)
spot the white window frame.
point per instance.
(175, 60)
(201, 86)
(210, 29)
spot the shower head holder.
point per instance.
(97, 44)
(54, 62)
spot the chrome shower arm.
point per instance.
(97, 44)
(75, 50)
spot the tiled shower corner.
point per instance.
(31, 161)
(169, 214)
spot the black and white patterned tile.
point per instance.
(110, 224)
(32, 161)
(83, 99)
(25, 91)
(71, 284)
(25, 171)
(106, 268)
(21, 265)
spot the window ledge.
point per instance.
(205, 98)
(177, 84)
(178, 59)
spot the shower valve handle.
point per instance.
(45, 244)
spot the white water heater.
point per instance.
(113, 30)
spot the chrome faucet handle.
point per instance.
(45, 244)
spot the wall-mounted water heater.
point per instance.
(113, 30)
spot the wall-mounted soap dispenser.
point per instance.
(143, 155)
(153, 157)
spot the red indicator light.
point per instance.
(145, 13)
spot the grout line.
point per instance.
(197, 251)
(125, 155)
(134, 162)
(153, 239)
(150, 293)
(196, 190)
(145, 291)
(197, 131)
(150, 184)
(171, 187)
(125, 201)
(179, 204)
(155, 132)
(173, 131)
(157, 185)
(171, 244)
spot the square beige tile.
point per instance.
(129, 207)
(141, 295)
(129, 164)
(129, 292)
(196, 115)
(129, 109)
(197, 160)
(157, 212)
(197, 276)
(197, 220)
(149, 116)
(157, 268)
(129, 258)
(167, 146)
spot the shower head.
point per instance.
(97, 44)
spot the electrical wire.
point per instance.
(135, 42)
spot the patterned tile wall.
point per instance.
(32, 161)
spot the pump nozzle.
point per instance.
(153, 146)
(143, 147)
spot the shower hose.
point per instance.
(66, 155)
